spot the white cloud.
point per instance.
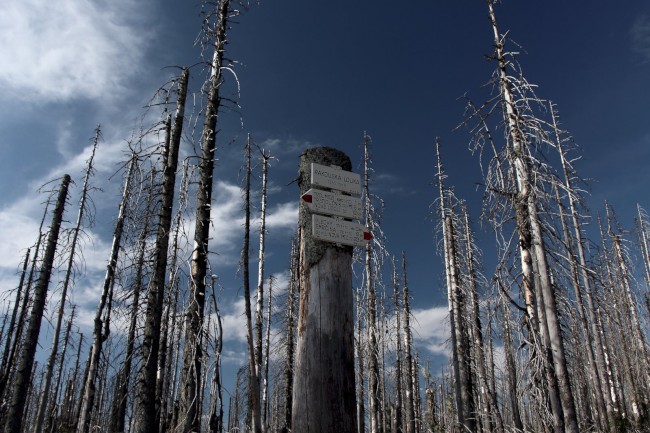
(640, 33)
(233, 321)
(69, 49)
(17, 232)
(284, 215)
(431, 329)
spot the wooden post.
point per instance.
(324, 390)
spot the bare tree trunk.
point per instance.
(324, 385)
(51, 407)
(408, 359)
(639, 343)
(531, 243)
(118, 414)
(290, 344)
(64, 420)
(12, 322)
(14, 420)
(511, 367)
(260, 416)
(49, 370)
(488, 396)
(460, 355)
(596, 362)
(192, 353)
(166, 349)
(146, 403)
(253, 378)
(6, 372)
(371, 293)
(398, 425)
(109, 281)
(643, 242)
(215, 418)
(265, 390)
(361, 407)
(623, 346)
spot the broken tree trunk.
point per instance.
(324, 389)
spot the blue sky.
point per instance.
(313, 73)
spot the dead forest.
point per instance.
(550, 336)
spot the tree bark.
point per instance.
(49, 369)
(14, 420)
(118, 414)
(259, 421)
(253, 378)
(192, 353)
(460, 355)
(397, 418)
(408, 358)
(146, 403)
(531, 243)
(492, 407)
(12, 321)
(290, 344)
(109, 282)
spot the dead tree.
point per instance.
(533, 252)
(630, 303)
(455, 299)
(215, 417)
(290, 335)
(104, 303)
(52, 403)
(6, 372)
(49, 370)
(192, 353)
(359, 346)
(146, 404)
(259, 299)
(492, 413)
(253, 378)
(12, 321)
(397, 418)
(579, 267)
(410, 374)
(370, 279)
(266, 360)
(20, 386)
(119, 409)
(165, 383)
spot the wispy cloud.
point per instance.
(69, 49)
(431, 329)
(283, 216)
(640, 33)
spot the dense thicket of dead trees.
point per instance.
(553, 339)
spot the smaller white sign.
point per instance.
(338, 231)
(330, 203)
(335, 178)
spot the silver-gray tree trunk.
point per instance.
(109, 280)
(189, 410)
(532, 249)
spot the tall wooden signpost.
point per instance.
(324, 389)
